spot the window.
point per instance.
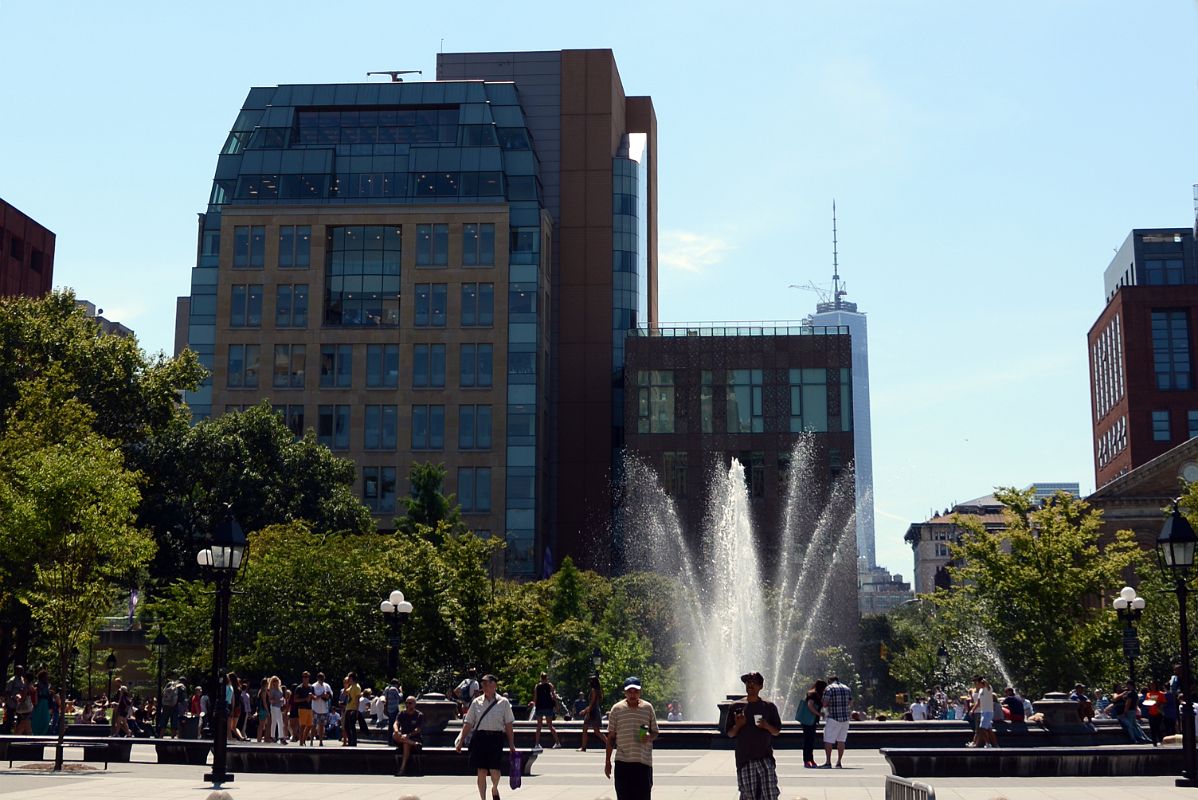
(474, 489)
(809, 400)
(289, 366)
(478, 305)
(291, 306)
(362, 276)
(332, 427)
(380, 427)
(428, 427)
(1171, 350)
(1164, 272)
(293, 418)
(249, 246)
(245, 310)
(478, 244)
(1192, 424)
(655, 401)
(706, 401)
(674, 470)
(378, 489)
(243, 366)
(941, 550)
(474, 427)
(295, 246)
(1160, 426)
(432, 245)
(754, 465)
(744, 401)
(428, 366)
(382, 366)
(846, 399)
(476, 365)
(430, 305)
(336, 366)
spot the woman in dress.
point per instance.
(41, 704)
(810, 720)
(278, 698)
(263, 704)
(592, 715)
(488, 721)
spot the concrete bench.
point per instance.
(959, 762)
(362, 760)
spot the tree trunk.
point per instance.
(63, 666)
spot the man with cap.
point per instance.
(754, 724)
(631, 729)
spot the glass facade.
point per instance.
(1171, 349)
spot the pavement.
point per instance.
(564, 775)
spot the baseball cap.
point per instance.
(632, 682)
(752, 676)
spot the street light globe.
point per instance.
(1119, 603)
(204, 558)
(387, 607)
(1138, 604)
(396, 598)
(1127, 593)
(403, 607)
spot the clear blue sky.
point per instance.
(986, 160)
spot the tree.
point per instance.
(1033, 596)
(66, 488)
(252, 462)
(426, 506)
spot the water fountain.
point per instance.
(747, 601)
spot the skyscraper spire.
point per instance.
(837, 291)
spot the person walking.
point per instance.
(322, 697)
(631, 729)
(810, 710)
(41, 704)
(302, 697)
(392, 701)
(592, 714)
(1154, 701)
(837, 701)
(982, 704)
(262, 703)
(488, 720)
(544, 709)
(12, 688)
(754, 724)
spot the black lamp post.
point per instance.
(597, 660)
(223, 558)
(395, 609)
(1129, 607)
(159, 644)
(110, 662)
(1175, 552)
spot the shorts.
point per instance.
(305, 717)
(835, 731)
(987, 720)
(543, 713)
(321, 720)
(486, 750)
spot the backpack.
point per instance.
(803, 713)
(170, 696)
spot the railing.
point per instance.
(903, 789)
(784, 328)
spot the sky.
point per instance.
(986, 160)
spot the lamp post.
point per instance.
(159, 644)
(597, 660)
(110, 662)
(395, 609)
(1129, 607)
(1175, 553)
(223, 558)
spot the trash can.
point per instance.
(189, 728)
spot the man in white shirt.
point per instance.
(322, 694)
(919, 710)
(488, 722)
(983, 705)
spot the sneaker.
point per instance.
(557, 745)
(536, 748)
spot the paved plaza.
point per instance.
(567, 774)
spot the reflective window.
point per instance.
(674, 471)
(289, 364)
(336, 366)
(378, 489)
(1191, 424)
(245, 308)
(362, 275)
(428, 427)
(745, 401)
(809, 400)
(474, 427)
(295, 246)
(432, 245)
(249, 246)
(428, 366)
(406, 125)
(655, 401)
(291, 305)
(332, 426)
(474, 489)
(476, 365)
(1160, 426)
(382, 366)
(293, 418)
(431, 304)
(1164, 272)
(706, 402)
(380, 427)
(242, 366)
(1171, 350)
(478, 304)
(478, 244)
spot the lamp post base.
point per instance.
(216, 779)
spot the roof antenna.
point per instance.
(837, 291)
(395, 73)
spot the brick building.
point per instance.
(26, 254)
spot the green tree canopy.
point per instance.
(427, 507)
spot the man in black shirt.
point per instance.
(302, 697)
(754, 724)
(544, 708)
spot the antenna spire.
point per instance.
(837, 291)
